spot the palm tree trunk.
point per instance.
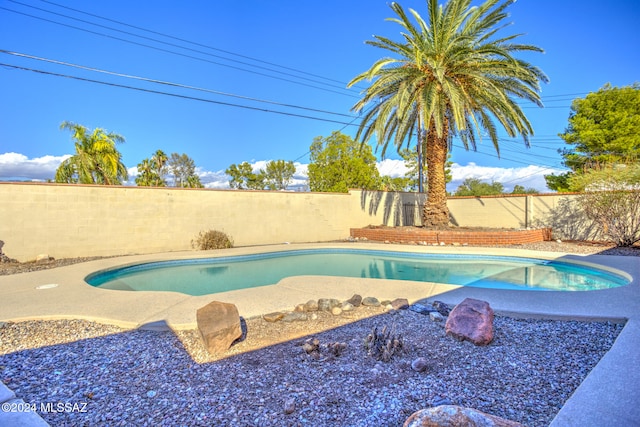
(436, 212)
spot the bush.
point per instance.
(611, 198)
(617, 213)
(212, 239)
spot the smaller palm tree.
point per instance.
(151, 172)
(96, 161)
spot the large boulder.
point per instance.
(219, 326)
(456, 416)
(471, 320)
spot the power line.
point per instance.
(172, 44)
(53, 61)
(210, 47)
(172, 94)
(178, 53)
(192, 42)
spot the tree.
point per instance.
(278, 174)
(183, 169)
(338, 163)
(451, 76)
(558, 183)
(388, 183)
(152, 172)
(242, 177)
(519, 189)
(603, 129)
(475, 187)
(96, 161)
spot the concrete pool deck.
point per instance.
(610, 395)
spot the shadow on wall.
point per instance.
(393, 204)
(568, 222)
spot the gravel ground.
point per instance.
(110, 376)
(145, 378)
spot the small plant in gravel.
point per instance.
(212, 239)
(313, 348)
(384, 344)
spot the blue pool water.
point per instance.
(212, 275)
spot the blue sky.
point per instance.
(296, 53)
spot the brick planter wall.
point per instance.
(448, 237)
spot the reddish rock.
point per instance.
(400, 304)
(471, 320)
(219, 326)
(456, 416)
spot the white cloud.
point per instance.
(529, 176)
(210, 179)
(392, 168)
(15, 166)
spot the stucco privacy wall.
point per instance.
(78, 220)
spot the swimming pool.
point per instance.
(212, 275)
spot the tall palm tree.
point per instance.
(151, 172)
(449, 77)
(96, 161)
(159, 160)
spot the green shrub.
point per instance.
(212, 239)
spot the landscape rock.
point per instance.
(471, 320)
(289, 406)
(422, 308)
(326, 304)
(371, 302)
(336, 311)
(311, 305)
(400, 304)
(295, 316)
(347, 306)
(273, 317)
(219, 326)
(441, 308)
(355, 300)
(419, 364)
(436, 317)
(456, 416)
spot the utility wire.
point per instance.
(112, 73)
(172, 94)
(173, 44)
(193, 43)
(178, 53)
